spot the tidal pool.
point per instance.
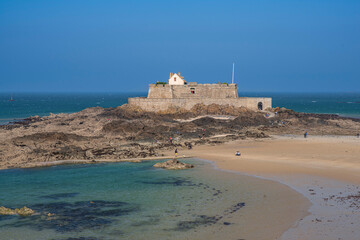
(123, 201)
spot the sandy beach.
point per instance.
(324, 169)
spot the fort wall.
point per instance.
(162, 104)
(193, 91)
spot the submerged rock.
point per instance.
(6, 211)
(173, 165)
(25, 211)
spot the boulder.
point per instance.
(25, 211)
(89, 154)
(173, 165)
(7, 211)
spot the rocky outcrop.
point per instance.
(128, 132)
(216, 109)
(25, 211)
(7, 211)
(173, 165)
(52, 136)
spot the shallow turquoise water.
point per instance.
(117, 201)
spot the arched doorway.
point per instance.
(260, 106)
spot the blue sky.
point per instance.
(119, 46)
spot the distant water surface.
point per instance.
(30, 104)
(345, 104)
(42, 104)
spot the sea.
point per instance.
(136, 200)
(130, 201)
(42, 104)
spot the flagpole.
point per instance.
(232, 81)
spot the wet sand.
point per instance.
(326, 170)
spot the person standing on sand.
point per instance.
(305, 134)
(176, 152)
(357, 135)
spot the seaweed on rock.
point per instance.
(77, 216)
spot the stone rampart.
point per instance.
(162, 104)
(193, 91)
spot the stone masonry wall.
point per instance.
(160, 91)
(193, 91)
(161, 104)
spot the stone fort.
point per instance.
(180, 94)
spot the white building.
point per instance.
(176, 79)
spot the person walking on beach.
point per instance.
(357, 135)
(305, 134)
(176, 152)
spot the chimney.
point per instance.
(179, 74)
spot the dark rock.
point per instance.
(173, 165)
(59, 195)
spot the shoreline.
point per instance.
(333, 214)
(166, 154)
(315, 210)
(84, 161)
(306, 166)
(272, 194)
(296, 210)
